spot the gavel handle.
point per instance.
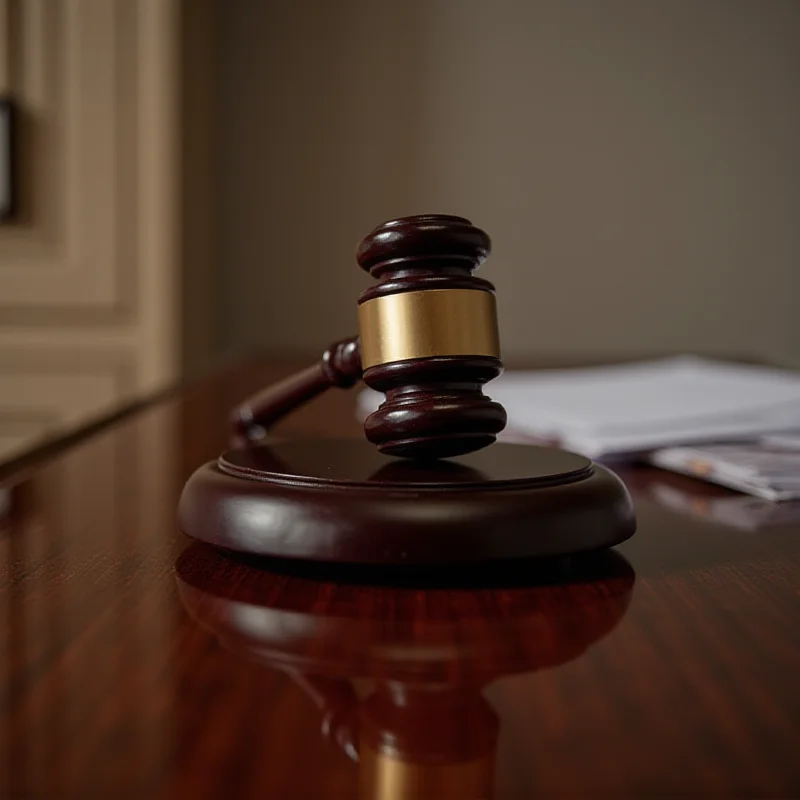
(339, 366)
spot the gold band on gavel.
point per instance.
(436, 322)
(384, 777)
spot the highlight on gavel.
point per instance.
(428, 339)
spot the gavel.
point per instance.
(428, 340)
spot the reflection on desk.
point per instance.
(421, 726)
(110, 688)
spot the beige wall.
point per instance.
(637, 163)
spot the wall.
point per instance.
(637, 163)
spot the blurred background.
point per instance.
(190, 179)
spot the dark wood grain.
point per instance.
(423, 728)
(111, 685)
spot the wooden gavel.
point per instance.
(428, 340)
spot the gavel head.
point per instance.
(428, 335)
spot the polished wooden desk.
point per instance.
(674, 670)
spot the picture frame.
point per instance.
(7, 160)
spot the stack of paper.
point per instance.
(767, 468)
(628, 409)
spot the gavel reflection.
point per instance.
(400, 682)
(411, 740)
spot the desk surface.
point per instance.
(133, 664)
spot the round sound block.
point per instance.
(341, 500)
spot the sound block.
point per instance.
(342, 501)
